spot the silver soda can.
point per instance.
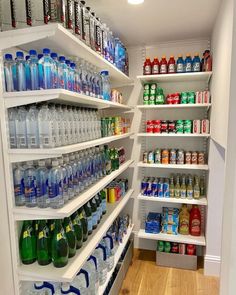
(180, 157)
(173, 156)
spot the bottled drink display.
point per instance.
(176, 186)
(180, 65)
(54, 183)
(154, 95)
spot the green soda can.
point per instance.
(108, 125)
(191, 97)
(167, 247)
(184, 97)
(179, 126)
(146, 97)
(153, 88)
(152, 99)
(160, 246)
(187, 126)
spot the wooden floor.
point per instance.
(145, 278)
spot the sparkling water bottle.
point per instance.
(34, 70)
(55, 186)
(32, 127)
(30, 185)
(21, 131)
(46, 66)
(19, 187)
(12, 114)
(10, 73)
(45, 128)
(20, 71)
(42, 185)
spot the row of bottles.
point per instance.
(73, 15)
(52, 183)
(190, 221)
(48, 71)
(94, 271)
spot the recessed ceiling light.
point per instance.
(135, 2)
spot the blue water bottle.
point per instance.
(106, 88)
(20, 69)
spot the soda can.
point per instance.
(206, 96)
(152, 98)
(103, 127)
(164, 126)
(145, 157)
(111, 195)
(153, 89)
(151, 157)
(154, 188)
(160, 193)
(149, 126)
(58, 12)
(180, 157)
(176, 98)
(187, 126)
(179, 126)
(196, 126)
(171, 126)
(188, 158)
(69, 15)
(160, 246)
(205, 126)
(146, 97)
(173, 156)
(156, 126)
(165, 157)
(191, 97)
(166, 188)
(143, 186)
(194, 158)
(149, 188)
(158, 156)
(201, 158)
(174, 248)
(167, 247)
(169, 99)
(199, 97)
(191, 249)
(184, 98)
(146, 88)
(182, 249)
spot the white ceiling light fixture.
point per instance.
(135, 2)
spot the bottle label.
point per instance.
(155, 69)
(30, 189)
(195, 228)
(189, 194)
(19, 188)
(53, 190)
(69, 228)
(90, 223)
(26, 234)
(196, 67)
(41, 235)
(163, 69)
(188, 67)
(147, 70)
(171, 68)
(180, 68)
(183, 193)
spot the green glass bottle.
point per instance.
(93, 205)
(27, 243)
(78, 229)
(51, 227)
(35, 224)
(108, 160)
(43, 244)
(84, 222)
(117, 160)
(88, 212)
(60, 247)
(113, 160)
(103, 194)
(99, 207)
(70, 235)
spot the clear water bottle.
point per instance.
(21, 131)
(85, 86)
(62, 73)
(45, 128)
(42, 185)
(12, 115)
(65, 180)
(10, 73)
(81, 282)
(74, 170)
(20, 71)
(67, 126)
(73, 77)
(30, 185)
(32, 127)
(54, 125)
(90, 267)
(103, 158)
(70, 175)
(61, 125)
(34, 70)
(81, 170)
(107, 242)
(55, 186)
(54, 56)
(36, 289)
(100, 255)
(19, 187)
(72, 123)
(75, 119)
(46, 66)
(106, 88)
(69, 290)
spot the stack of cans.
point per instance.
(155, 187)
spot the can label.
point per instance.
(57, 9)
(151, 158)
(205, 126)
(182, 249)
(179, 126)
(158, 156)
(145, 98)
(173, 156)
(180, 157)
(187, 126)
(194, 158)
(196, 126)
(191, 97)
(201, 158)
(184, 98)
(188, 158)
(199, 97)
(206, 96)
(153, 88)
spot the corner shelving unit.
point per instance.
(57, 38)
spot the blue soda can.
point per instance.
(144, 185)
(149, 188)
(160, 189)
(166, 189)
(154, 188)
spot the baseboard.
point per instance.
(212, 265)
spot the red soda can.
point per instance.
(174, 248)
(164, 126)
(196, 126)
(156, 126)
(176, 98)
(199, 97)
(194, 158)
(206, 96)
(171, 126)
(169, 99)
(149, 126)
(191, 249)
(182, 249)
(205, 128)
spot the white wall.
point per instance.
(221, 44)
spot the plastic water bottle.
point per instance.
(71, 190)
(55, 186)
(46, 66)
(106, 89)
(85, 87)
(45, 128)
(69, 290)
(67, 126)
(12, 114)
(32, 127)
(107, 241)
(27, 73)
(65, 180)
(10, 73)
(90, 267)
(62, 73)
(21, 133)
(81, 282)
(72, 123)
(20, 71)
(54, 56)
(100, 255)
(34, 70)
(19, 187)
(61, 125)
(42, 185)
(73, 77)
(74, 170)
(37, 289)
(30, 185)
(55, 129)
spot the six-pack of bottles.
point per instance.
(74, 16)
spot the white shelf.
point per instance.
(193, 135)
(202, 201)
(25, 213)
(35, 272)
(174, 166)
(186, 239)
(116, 259)
(174, 106)
(15, 99)
(60, 40)
(183, 77)
(22, 155)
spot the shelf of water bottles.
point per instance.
(52, 263)
(75, 17)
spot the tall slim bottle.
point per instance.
(43, 244)
(27, 243)
(84, 222)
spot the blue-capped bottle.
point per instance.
(62, 73)
(106, 88)
(20, 71)
(70, 76)
(196, 63)
(188, 63)
(180, 64)
(10, 73)
(65, 180)
(55, 186)
(54, 56)
(46, 65)
(30, 185)
(34, 70)
(42, 185)
(74, 78)
(19, 187)
(70, 175)
(27, 72)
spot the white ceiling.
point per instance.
(157, 20)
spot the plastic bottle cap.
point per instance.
(172, 56)
(27, 57)
(62, 58)
(8, 56)
(55, 163)
(40, 55)
(46, 51)
(41, 163)
(65, 287)
(67, 61)
(163, 56)
(54, 55)
(29, 163)
(73, 65)
(180, 55)
(105, 73)
(32, 52)
(19, 54)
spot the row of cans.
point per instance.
(178, 126)
(174, 156)
(114, 126)
(116, 190)
(155, 187)
(177, 248)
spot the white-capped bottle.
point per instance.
(42, 185)
(45, 128)
(61, 126)
(32, 127)
(12, 115)
(54, 123)
(55, 186)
